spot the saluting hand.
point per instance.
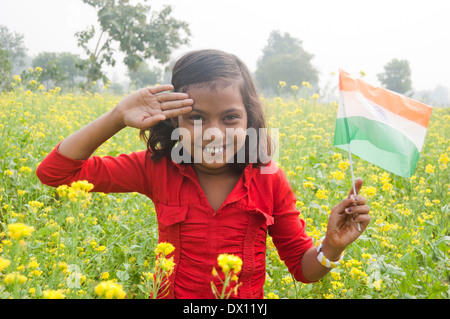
(148, 106)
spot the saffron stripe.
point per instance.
(395, 103)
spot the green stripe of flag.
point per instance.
(377, 143)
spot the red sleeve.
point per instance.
(288, 231)
(124, 173)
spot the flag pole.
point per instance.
(348, 145)
(353, 176)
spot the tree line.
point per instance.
(143, 35)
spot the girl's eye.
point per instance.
(196, 117)
(231, 117)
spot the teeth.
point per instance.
(214, 150)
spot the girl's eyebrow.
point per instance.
(230, 110)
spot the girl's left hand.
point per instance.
(343, 223)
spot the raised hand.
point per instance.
(148, 106)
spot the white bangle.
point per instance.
(324, 260)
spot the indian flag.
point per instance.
(384, 128)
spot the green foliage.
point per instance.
(284, 59)
(60, 69)
(139, 34)
(396, 76)
(5, 70)
(144, 76)
(12, 42)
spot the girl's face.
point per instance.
(217, 126)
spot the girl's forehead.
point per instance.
(217, 96)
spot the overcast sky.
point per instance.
(352, 35)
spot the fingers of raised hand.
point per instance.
(177, 111)
(174, 100)
(160, 88)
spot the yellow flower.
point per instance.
(308, 184)
(377, 284)
(164, 248)
(370, 191)
(13, 277)
(167, 265)
(306, 84)
(443, 159)
(82, 185)
(429, 169)
(105, 275)
(338, 175)
(53, 294)
(282, 84)
(343, 165)
(322, 194)
(110, 290)
(19, 230)
(272, 295)
(229, 262)
(4, 263)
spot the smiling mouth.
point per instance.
(214, 150)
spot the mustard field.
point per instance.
(69, 243)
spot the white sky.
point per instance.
(350, 34)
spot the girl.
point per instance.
(209, 203)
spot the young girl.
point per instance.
(210, 203)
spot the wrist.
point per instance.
(330, 252)
(117, 118)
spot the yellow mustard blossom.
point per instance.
(4, 263)
(322, 194)
(271, 295)
(306, 84)
(164, 248)
(229, 262)
(19, 230)
(53, 294)
(13, 277)
(110, 290)
(429, 169)
(343, 165)
(308, 184)
(443, 159)
(105, 275)
(166, 265)
(338, 175)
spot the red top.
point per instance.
(257, 204)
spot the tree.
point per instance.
(144, 76)
(12, 42)
(396, 76)
(5, 70)
(139, 35)
(284, 59)
(60, 69)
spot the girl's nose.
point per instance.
(213, 133)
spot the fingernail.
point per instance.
(348, 210)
